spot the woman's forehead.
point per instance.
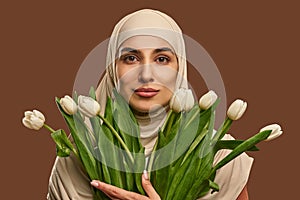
(145, 42)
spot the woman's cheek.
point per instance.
(126, 82)
(166, 76)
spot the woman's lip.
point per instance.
(146, 92)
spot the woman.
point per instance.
(146, 63)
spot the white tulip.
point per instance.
(276, 131)
(236, 109)
(207, 100)
(88, 106)
(182, 100)
(189, 101)
(33, 119)
(68, 105)
(175, 102)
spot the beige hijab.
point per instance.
(152, 23)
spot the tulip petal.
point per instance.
(189, 103)
(26, 123)
(36, 122)
(276, 131)
(242, 110)
(88, 106)
(39, 115)
(236, 109)
(27, 114)
(182, 100)
(273, 136)
(68, 105)
(207, 100)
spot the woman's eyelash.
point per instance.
(165, 59)
(126, 57)
(130, 59)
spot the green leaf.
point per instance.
(201, 183)
(205, 118)
(151, 159)
(207, 146)
(194, 144)
(222, 130)
(166, 137)
(231, 144)
(244, 146)
(180, 174)
(214, 186)
(105, 145)
(85, 154)
(202, 190)
(63, 144)
(139, 167)
(171, 120)
(75, 97)
(126, 123)
(110, 148)
(187, 132)
(92, 93)
(129, 176)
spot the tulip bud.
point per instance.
(236, 109)
(189, 101)
(33, 119)
(68, 105)
(276, 131)
(207, 100)
(88, 106)
(182, 100)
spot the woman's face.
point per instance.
(147, 69)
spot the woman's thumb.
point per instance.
(148, 187)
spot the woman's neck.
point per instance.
(150, 122)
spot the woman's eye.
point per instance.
(162, 60)
(130, 59)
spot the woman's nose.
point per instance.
(146, 74)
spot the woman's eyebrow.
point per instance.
(158, 50)
(129, 49)
(136, 51)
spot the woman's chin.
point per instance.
(146, 108)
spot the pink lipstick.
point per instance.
(146, 92)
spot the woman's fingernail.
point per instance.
(145, 174)
(95, 183)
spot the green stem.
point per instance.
(118, 137)
(191, 119)
(151, 159)
(92, 135)
(221, 132)
(167, 120)
(76, 153)
(244, 146)
(70, 146)
(49, 128)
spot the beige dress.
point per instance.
(69, 181)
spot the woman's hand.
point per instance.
(117, 193)
(244, 194)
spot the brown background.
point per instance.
(255, 45)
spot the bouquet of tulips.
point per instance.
(181, 163)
